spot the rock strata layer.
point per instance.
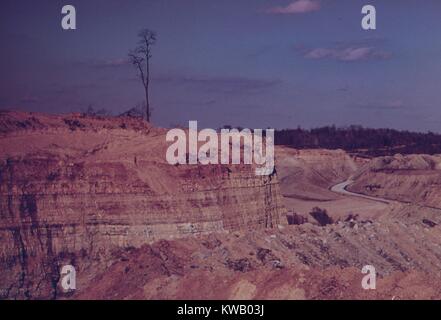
(74, 189)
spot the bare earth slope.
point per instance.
(297, 262)
(410, 178)
(98, 194)
(306, 177)
(74, 188)
(307, 174)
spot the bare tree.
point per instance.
(140, 58)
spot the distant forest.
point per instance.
(361, 141)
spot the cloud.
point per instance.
(389, 105)
(395, 104)
(112, 63)
(259, 52)
(349, 54)
(30, 99)
(225, 85)
(296, 7)
(104, 63)
(372, 41)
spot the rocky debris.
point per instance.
(429, 223)
(296, 219)
(242, 265)
(268, 258)
(373, 187)
(133, 113)
(353, 221)
(351, 217)
(321, 216)
(318, 263)
(297, 262)
(211, 242)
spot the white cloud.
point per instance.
(347, 54)
(296, 7)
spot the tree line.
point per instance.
(360, 140)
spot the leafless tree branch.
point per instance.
(140, 59)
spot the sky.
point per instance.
(249, 63)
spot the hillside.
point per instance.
(74, 188)
(409, 178)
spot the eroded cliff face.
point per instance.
(308, 174)
(410, 178)
(75, 190)
(303, 261)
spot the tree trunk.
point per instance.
(147, 82)
(147, 105)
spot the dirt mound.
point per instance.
(307, 174)
(14, 121)
(306, 177)
(408, 162)
(411, 178)
(298, 262)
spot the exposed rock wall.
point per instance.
(73, 190)
(411, 178)
(307, 174)
(297, 262)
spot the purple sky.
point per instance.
(254, 63)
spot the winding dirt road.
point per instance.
(341, 189)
